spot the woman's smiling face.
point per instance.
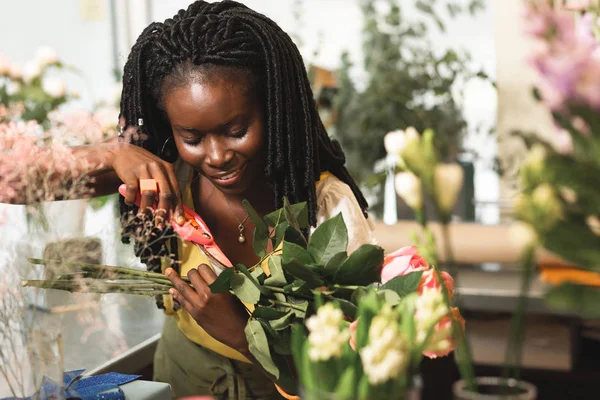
(218, 129)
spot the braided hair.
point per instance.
(224, 36)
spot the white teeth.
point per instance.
(229, 176)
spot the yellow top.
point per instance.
(191, 258)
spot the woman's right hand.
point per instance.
(132, 163)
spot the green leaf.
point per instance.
(303, 304)
(348, 308)
(223, 282)
(244, 288)
(362, 267)
(283, 322)
(254, 281)
(329, 239)
(277, 277)
(335, 262)
(577, 299)
(259, 346)
(290, 215)
(261, 230)
(283, 345)
(389, 296)
(346, 385)
(404, 285)
(297, 270)
(363, 388)
(285, 232)
(299, 211)
(292, 251)
(267, 313)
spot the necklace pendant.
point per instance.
(241, 238)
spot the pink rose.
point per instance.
(402, 262)
(352, 329)
(429, 280)
(444, 325)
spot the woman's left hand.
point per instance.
(221, 315)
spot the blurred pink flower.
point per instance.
(352, 329)
(429, 280)
(567, 58)
(402, 262)
(443, 332)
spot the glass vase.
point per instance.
(495, 388)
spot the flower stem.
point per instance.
(289, 305)
(463, 353)
(512, 360)
(95, 286)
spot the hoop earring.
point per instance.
(162, 150)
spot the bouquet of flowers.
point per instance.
(559, 206)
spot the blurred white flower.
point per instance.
(385, 357)
(448, 182)
(4, 65)
(54, 87)
(568, 194)
(107, 117)
(15, 72)
(430, 308)
(31, 70)
(409, 188)
(326, 339)
(593, 222)
(46, 55)
(522, 235)
(396, 141)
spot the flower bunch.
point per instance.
(421, 170)
(34, 87)
(559, 203)
(31, 171)
(395, 327)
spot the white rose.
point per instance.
(46, 55)
(54, 87)
(593, 222)
(409, 188)
(15, 72)
(448, 180)
(31, 70)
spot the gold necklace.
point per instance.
(241, 237)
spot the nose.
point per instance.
(218, 155)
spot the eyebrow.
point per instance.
(221, 127)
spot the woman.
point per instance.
(221, 96)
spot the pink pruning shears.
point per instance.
(195, 231)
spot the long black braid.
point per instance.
(230, 35)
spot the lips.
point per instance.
(228, 178)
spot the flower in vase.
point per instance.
(54, 87)
(448, 180)
(402, 262)
(31, 70)
(409, 188)
(385, 357)
(46, 55)
(326, 339)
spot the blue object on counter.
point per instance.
(99, 387)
